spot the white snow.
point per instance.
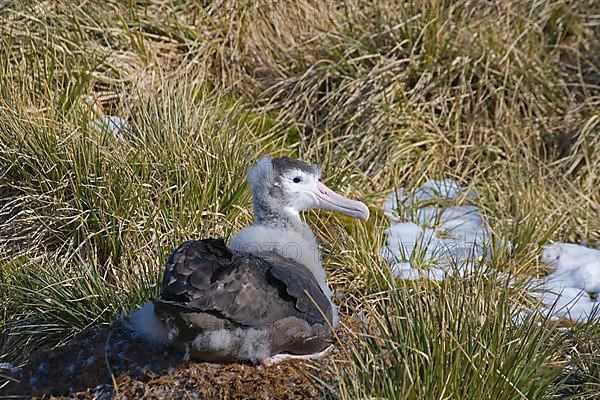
(574, 266)
(440, 238)
(112, 124)
(433, 236)
(571, 288)
(445, 189)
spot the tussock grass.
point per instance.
(446, 339)
(83, 203)
(501, 96)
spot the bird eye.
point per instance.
(297, 179)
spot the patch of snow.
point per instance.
(113, 125)
(392, 203)
(441, 189)
(443, 237)
(572, 287)
(433, 237)
(574, 266)
(432, 190)
(404, 270)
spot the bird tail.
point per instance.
(145, 323)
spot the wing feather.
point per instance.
(191, 266)
(205, 276)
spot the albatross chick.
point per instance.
(265, 294)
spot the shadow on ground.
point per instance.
(110, 362)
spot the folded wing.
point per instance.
(243, 290)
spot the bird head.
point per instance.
(285, 184)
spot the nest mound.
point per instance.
(102, 363)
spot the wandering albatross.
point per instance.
(267, 293)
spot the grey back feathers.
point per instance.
(245, 289)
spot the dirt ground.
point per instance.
(106, 363)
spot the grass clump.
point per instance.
(102, 211)
(455, 338)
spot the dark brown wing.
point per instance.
(301, 285)
(190, 268)
(255, 291)
(204, 276)
(242, 292)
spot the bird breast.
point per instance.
(297, 246)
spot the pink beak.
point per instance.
(330, 200)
